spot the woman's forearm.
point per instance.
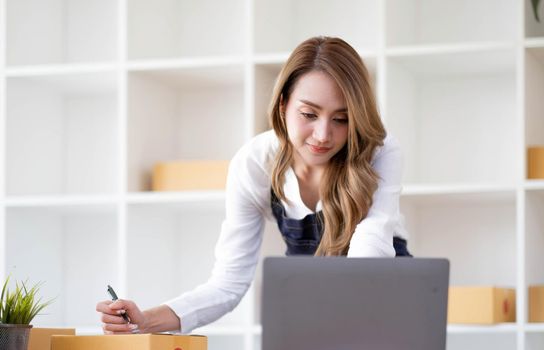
(160, 319)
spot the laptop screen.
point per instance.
(313, 303)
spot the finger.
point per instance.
(121, 304)
(105, 318)
(116, 328)
(105, 308)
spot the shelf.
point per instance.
(534, 327)
(476, 232)
(182, 202)
(161, 198)
(477, 329)
(482, 189)
(166, 29)
(49, 246)
(534, 42)
(411, 22)
(534, 185)
(68, 201)
(61, 133)
(51, 31)
(67, 80)
(61, 69)
(188, 197)
(443, 141)
(440, 49)
(182, 114)
(353, 20)
(192, 62)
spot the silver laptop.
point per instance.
(316, 303)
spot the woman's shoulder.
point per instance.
(259, 149)
(390, 146)
(256, 155)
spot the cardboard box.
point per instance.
(40, 338)
(536, 303)
(190, 175)
(535, 163)
(481, 305)
(129, 342)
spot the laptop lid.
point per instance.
(314, 303)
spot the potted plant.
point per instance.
(17, 309)
(535, 9)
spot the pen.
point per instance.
(114, 298)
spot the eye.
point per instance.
(310, 116)
(341, 120)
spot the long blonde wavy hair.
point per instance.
(349, 181)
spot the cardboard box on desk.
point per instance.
(130, 342)
(40, 338)
(190, 175)
(536, 303)
(481, 305)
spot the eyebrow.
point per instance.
(341, 110)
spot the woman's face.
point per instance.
(317, 119)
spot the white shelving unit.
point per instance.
(92, 94)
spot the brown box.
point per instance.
(481, 305)
(536, 303)
(129, 342)
(40, 338)
(535, 163)
(190, 175)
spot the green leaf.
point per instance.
(535, 9)
(21, 305)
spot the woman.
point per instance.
(327, 173)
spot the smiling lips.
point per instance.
(319, 150)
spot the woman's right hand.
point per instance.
(113, 321)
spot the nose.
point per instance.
(322, 131)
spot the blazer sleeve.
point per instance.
(236, 251)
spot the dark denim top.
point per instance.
(303, 236)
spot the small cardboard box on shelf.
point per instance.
(481, 305)
(190, 175)
(536, 303)
(535, 162)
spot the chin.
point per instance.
(317, 161)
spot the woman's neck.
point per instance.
(306, 173)
(309, 180)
